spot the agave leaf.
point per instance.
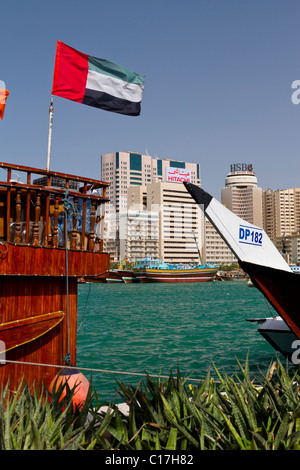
(246, 410)
(276, 400)
(173, 421)
(7, 420)
(234, 432)
(282, 431)
(294, 441)
(240, 421)
(172, 440)
(133, 431)
(261, 443)
(157, 442)
(118, 429)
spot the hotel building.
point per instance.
(242, 196)
(281, 212)
(164, 219)
(140, 228)
(282, 221)
(124, 170)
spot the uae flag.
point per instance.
(3, 97)
(96, 82)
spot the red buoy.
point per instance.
(74, 379)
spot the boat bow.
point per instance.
(257, 255)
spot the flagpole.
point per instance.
(50, 132)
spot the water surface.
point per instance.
(153, 328)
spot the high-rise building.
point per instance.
(169, 225)
(282, 221)
(124, 169)
(216, 250)
(241, 194)
(281, 212)
(139, 237)
(128, 169)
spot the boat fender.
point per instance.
(75, 380)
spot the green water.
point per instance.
(153, 328)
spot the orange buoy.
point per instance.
(75, 380)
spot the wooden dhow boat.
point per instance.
(113, 275)
(154, 270)
(47, 242)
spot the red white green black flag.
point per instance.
(3, 97)
(96, 82)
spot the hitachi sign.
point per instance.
(241, 167)
(178, 175)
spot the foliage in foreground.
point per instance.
(231, 414)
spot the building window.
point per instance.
(159, 167)
(177, 164)
(135, 162)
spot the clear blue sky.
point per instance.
(218, 77)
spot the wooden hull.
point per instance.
(95, 279)
(180, 275)
(117, 275)
(21, 295)
(33, 295)
(16, 333)
(129, 280)
(46, 261)
(281, 288)
(232, 278)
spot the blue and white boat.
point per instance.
(155, 270)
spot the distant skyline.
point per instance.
(221, 85)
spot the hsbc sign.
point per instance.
(241, 167)
(178, 175)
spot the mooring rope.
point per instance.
(68, 208)
(103, 371)
(84, 312)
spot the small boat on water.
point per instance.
(258, 257)
(113, 275)
(155, 270)
(277, 333)
(235, 275)
(129, 279)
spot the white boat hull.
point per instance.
(257, 256)
(278, 334)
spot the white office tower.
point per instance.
(242, 195)
(282, 221)
(128, 169)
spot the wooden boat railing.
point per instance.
(33, 212)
